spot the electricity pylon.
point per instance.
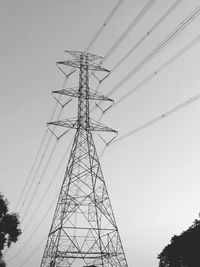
(83, 231)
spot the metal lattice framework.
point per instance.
(83, 231)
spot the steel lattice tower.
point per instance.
(83, 231)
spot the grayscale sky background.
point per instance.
(153, 175)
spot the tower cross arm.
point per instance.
(97, 126)
(92, 126)
(78, 54)
(68, 123)
(76, 93)
(77, 64)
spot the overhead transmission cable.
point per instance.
(35, 230)
(49, 186)
(39, 181)
(147, 34)
(111, 14)
(35, 175)
(33, 252)
(147, 79)
(38, 167)
(37, 155)
(133, 24)
(35, 161)
(130, 27)
(160, 117)
(144, 37)
(32, 168)
(105, 23)
(192, 16)
(154, 120)
(156, 72)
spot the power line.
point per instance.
(32, 168)
(35, 161)
(147, 79)
(144, 37)
(36, 172)
(160, 117)
(37, 154)
(38, 167)
(114, 10)
(33, 252)
(35, 230)
(45, 193)
(157, 49)
(127, 31)
(147, 34)
(158, 70)
(40, 180)
(129, 28)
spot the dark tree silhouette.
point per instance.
(9, 227)
(184, 250)
(2, 263)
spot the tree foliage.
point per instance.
(9, 226)
(184, 250)
(2, 263)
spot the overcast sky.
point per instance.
(153, 174)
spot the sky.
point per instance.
(152, 169)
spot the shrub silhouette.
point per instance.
(184, 250)
(9, 227)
